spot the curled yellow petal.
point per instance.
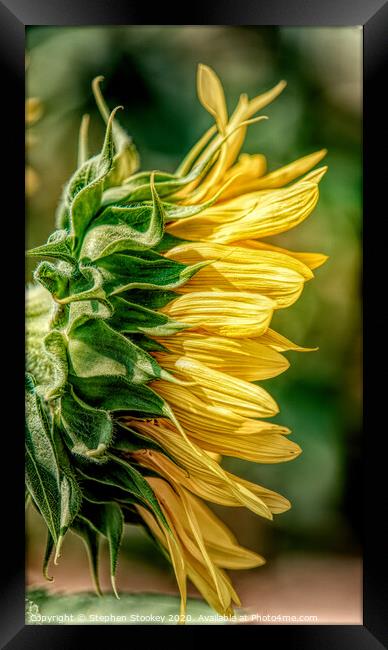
(219, 389)
(228, 313)
(272, 274)
(273, 213)
(200, 418)
(192, 252)
(251, 216)
(202, 476)
(243, 358)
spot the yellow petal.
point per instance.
(283, 175)
(280, 343)
(221, 588)
(258, 103)
(228, 313)
(211, 95)
(194, 152)
(214, 488)
(203, 479)
(245, 110)
(201, 474)
(276, 502)
(221, 431)
(275, 275)
(251, 216)
(275, 212)
(234, 557)
(200, 578)
(260, 448)
(242, 358)
(221, 544)
(193, 252)
(175, 552)
(312, 260)
(219, 389)
(316, 175)
(182, 519)
(247, 169)
(201, 419)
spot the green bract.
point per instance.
(90, 314)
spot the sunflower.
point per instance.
(148, 332)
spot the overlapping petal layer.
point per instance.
(273, 274)
(228, 307)
(246, 359)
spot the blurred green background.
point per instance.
(151, 70)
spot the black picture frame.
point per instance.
(15, 15)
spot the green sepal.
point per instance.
(58, 246)
(84, 191)
(151, 298)
(88, 430)
(136, 227)
(119, 394)
(59, 316)
(131, 318)
(96, 349)
(107, 520)
(150, 345)
(126, 161)
(55, 492)
(99, 492)
(169, 241)
(83, 310)
(145, 490)
(55, 280)
(85, 284)
(71, 498)
(136, 187)
(42, 469)
(123, 272)
(174, 211)
(90, 538)
(119, 474)
(55, 346)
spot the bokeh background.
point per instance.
(313, 551)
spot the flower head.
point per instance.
(148, 332)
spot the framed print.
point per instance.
(200, 200)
